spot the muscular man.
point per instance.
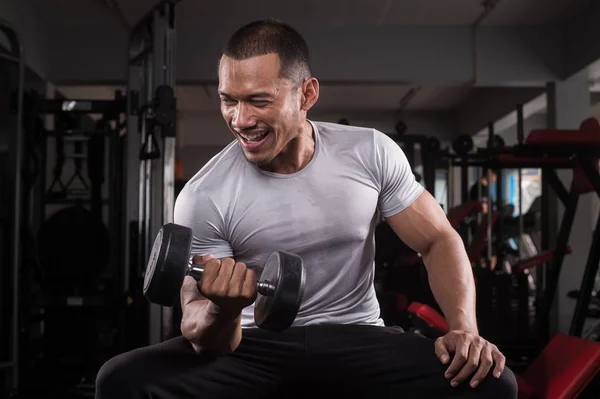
(314, 189)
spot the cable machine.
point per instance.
(150, 150)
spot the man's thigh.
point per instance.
(171, 369)
(386, 362)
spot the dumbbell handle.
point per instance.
(264, 287)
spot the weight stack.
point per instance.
(502, 306)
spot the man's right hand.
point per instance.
(229, 285)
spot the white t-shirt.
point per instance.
(326, 213)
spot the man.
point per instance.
(481, 189)
(314, 189)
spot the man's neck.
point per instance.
(297, 153)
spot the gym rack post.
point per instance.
(15, 55)
(149, 192)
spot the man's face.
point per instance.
(262, 109)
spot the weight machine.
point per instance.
(149, 192)
(552, 149)
(142, 180)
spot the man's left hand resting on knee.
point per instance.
(425, 228)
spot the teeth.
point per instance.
(254, 137)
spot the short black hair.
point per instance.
(267, 36)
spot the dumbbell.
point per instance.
(280, 289)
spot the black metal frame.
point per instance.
(149, 159)
(15, 55)
(566, 157)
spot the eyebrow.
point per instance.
(260, 94)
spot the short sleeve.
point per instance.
(397, 183)
(197, 211)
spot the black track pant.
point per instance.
(315, 361)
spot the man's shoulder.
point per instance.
(363, 140)
(220, 167)
(336, 129)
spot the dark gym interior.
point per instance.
(109, 107)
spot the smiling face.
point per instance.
(264, 111)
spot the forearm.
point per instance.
(451, 281)
(206, 328)
(210, 331)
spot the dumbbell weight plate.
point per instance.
(167, 264)
(286, 272)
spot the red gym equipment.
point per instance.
(568, 363)
(561, 371)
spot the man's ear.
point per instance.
(310, 93)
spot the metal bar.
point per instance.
(167, 56)
(489, 197)
(587, 284)
(155, 181)
(520, 125)
(520, 141)
(130, 188)
(17, 51)
(520, 210)
(17, 57)
(589, 169)
(558, 187)
(560, 250)
(464, 184)
(494, 164)
(449, 187)
(555, 150)
(499, 227)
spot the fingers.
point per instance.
(485, 364)
(500, 361)
(471, 362)
(461, 355)
(474, 358)
(202, 259)
(249, 285)
(226, 278)
(238, 276)
(440, 350)
(221, 283)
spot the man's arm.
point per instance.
(419, 221)
(202, 324)
(424, 227)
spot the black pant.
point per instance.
(315, 361)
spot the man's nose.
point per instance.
(243, 118)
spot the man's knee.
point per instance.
(118, 377)
(504, 387)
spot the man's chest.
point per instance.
(301, 216)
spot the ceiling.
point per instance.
(356, 12)
(310, 12)
(338, 97)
